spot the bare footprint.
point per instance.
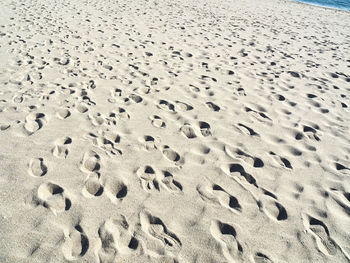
(116, 190)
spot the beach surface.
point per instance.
(174, 131)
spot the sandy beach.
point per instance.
(174, 131)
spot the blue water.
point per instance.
(338, 4)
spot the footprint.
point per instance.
(212, 106)
(261, 258)
(205, 128)
(76, 244)
(273, 209)
(217, 195)
(92, 186)
(238, 153)
(116, 190)
(182, 106)
(169, 183)
(52, 196)
(37, 167)
(63, 114)
(148, 178)
(321, 235)
(157, 121)
(162, 237)
(116, 238)
(135, 98)
(90, 162)
(34, 122)
(170, 154)
(188, 131)
(148, 142)
(226, 235)
(61, 149)
(165, 105)
(237, 168)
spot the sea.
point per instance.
(337, 4)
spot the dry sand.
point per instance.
(174, 131)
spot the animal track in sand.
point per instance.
(34, 122)
(61, 149)
(37, 167)
(76, 244)
(157, 121)
(246, 130)
(90, 162)
(52, 196)
(226, 235)
(217, 195)
(157, 230)
(116, 238)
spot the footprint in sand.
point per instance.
(61, 148)
(217, 195)
(116, 238)
(92, 186)
(188, 131)
(157, 121)
(321, 235)
(170, 154)
(76, 244)
(34, 122)
(272, 207)
(148, 142)
(116, 190)
(63, 114)
(226, 235)
(160, 238)
(90, 162)
(52, 196)
(37, 167)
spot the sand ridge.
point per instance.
(163, 131)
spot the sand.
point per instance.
(174, 131)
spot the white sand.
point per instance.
(174, 131)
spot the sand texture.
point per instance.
(174, 131)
